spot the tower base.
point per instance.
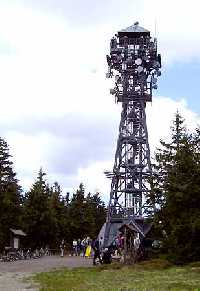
(110, 229)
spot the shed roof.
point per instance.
(133, 226)
(18, 232)
(137, 227)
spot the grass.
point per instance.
(153, 275)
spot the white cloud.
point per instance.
(51, 70)
(160, 116)
(177, 28)
(159, 119)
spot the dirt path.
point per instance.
(16, 282)
(13, 275)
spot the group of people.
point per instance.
(93, 248)
(82, 247)
(79, 247)
(88, 248)
(104, 256)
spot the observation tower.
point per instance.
(135, 65)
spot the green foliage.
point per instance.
(37, 219)
(58, 213)
(44, 213)
(176, 186)
(87, 214)
(96, 211)
(77, 221)
(10, 195)
(50, 217)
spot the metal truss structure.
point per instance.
(135, 65)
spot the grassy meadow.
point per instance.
(152, 275)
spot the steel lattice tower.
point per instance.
(135, 64)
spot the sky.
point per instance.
(56, 111)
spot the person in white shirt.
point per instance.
(75, 245)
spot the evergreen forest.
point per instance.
(48, 215)
(44, 213)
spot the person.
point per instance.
(136, 242)
(101, 243)
(119, 241)
(75, 247)
(96, 249)
(107, 256)
(46, 251)
(83, 247)
(62, 247)
(36, 254)
(88, 248)
(79, 247)
(41, 251)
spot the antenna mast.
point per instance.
(135, 65)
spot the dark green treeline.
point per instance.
(44, 213)
(48, 216)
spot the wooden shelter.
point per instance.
(15, 236)
(133, 234)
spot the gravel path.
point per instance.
(13, 275)
(16, 282)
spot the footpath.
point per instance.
(16, 276)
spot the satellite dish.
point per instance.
(112, 91)
(138, 61)
(116, 78)
(124, 66)
(158, 73)
(140, 69)
(154, 80)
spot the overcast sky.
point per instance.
(56, 111)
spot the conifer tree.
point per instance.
(38, 219)
(95, 214)
(58, 210)
(86, 214)
(76, 214)
(10, 195)
(176, 188)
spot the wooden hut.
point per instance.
(15, 236)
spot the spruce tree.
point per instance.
(38, 219)
(176, 188)
(78, 227)
(58, 210)
(10, 195)
(95, 214)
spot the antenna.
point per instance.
(135, 67)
